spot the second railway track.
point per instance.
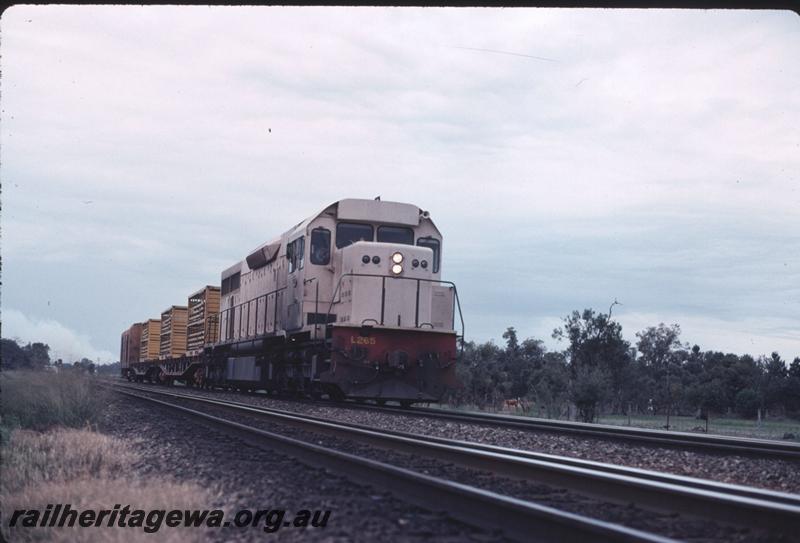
(657, 491)
(710, 443)
(763, 448)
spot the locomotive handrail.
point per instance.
(230, 324)
(456, 305)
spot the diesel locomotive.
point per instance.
(349, 303)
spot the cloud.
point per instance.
(655, 160)
(64, 342)
(747, 335)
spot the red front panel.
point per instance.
(392, 363)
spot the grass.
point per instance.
(40, 400)
(50, 455)
(60, 456)
(732, 426)
(87, 470)
(768, 429)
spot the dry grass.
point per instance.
(40, 400)
(32, 458)
(89, 471)
(99, 494)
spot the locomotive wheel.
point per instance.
(405, 403)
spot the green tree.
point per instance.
(748, 401)
(662, 357)
(512, 343)
(549, 385)
(793, 388)
(38, 353)
(658, 344)
(598, 354)
(13, 356)
(774, 382)
(588, 390)
(708, 396)
(479, 372)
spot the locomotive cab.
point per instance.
(394, 336)
(392, 285)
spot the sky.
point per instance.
(570, 157)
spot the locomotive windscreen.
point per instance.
(348, 233)
(396, 234)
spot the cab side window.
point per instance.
(301, 251)
(320, 246)
(295, 252)
(432, 243)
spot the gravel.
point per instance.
(670, 525)
(773, 474)
(252, 478)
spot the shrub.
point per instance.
(589, 390)
(747, 402)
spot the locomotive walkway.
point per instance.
(657, 491)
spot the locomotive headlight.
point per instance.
(397, 258)
(424, 264)
(397, 269)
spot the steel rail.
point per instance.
(694, 482)
(708, 442)
(761, 448)
(707, 499)
(519, 519)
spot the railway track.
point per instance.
(713, 443)
(762, 448)
(657, 491)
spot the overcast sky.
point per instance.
(570, 157)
